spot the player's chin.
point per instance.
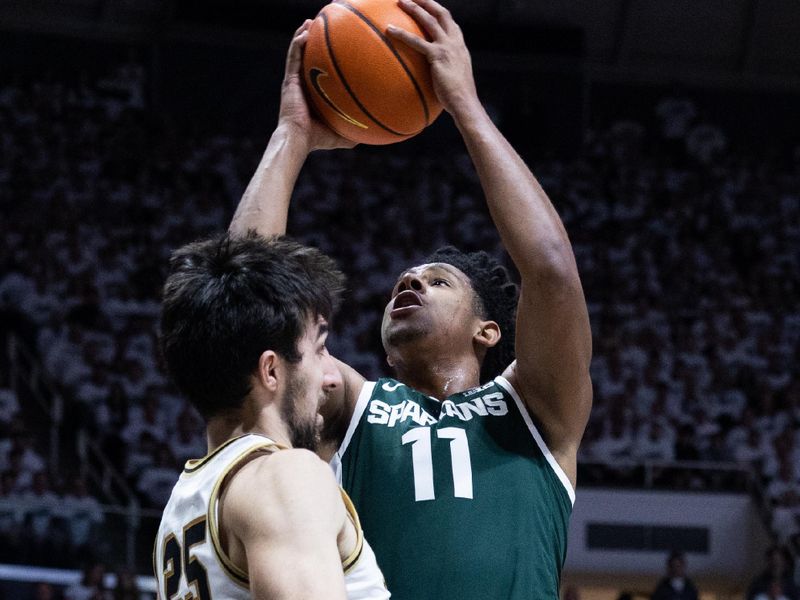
(398, 334)
(307, 437)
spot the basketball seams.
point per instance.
(390, 45)
(323, 96)
(346, 85)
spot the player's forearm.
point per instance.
(264, 206)
(528, 224)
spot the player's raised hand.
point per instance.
(451, 65)
(294, 111)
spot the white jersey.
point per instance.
(188, 559)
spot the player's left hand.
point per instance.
(451, 65)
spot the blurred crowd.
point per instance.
(93, 582)
(772, 582)
(687, 247)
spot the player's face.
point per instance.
(433, 302)
(307, 384)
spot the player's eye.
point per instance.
(439, 281)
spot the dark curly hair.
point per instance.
(227, 300)
(496, 299)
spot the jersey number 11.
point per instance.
(422, 460)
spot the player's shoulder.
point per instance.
(284, 468)
(515, 384)
(282, 483)
(389, 385)
(390, 389)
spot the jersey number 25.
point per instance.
(177, 561)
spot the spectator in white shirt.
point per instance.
(739, 433)
(147, 418)
(11, 516)
(41, 507)
(774, 592)
(187, 441)
(140, 455)
(704, 428)
(784, 449)
(770, 420)
(91, 586)
(615, 444)
(752, 452)
(83, 515)
(22, 478)
(784, 493)
(156, 482)
(22, 443)
(9, 405)
(653, 443)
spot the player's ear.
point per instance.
(267, 370)
(389, 361)
(488, 334)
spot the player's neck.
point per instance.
(222, 428)
(439, 378)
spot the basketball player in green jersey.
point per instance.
(464, 476)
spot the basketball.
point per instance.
(366, 86)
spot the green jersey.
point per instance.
(461, 499)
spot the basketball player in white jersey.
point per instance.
(243, 330)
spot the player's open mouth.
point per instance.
(405, 302)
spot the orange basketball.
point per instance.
(366, 86)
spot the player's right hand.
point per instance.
(294, 111)
(447, 54)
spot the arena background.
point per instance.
(665, 131)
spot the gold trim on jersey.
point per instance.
(349, 562)
(236, 574)
(155, 573)
(193, 464)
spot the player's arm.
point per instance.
(338, 410)
(286, 511)
(264, 206)
(553, 338)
